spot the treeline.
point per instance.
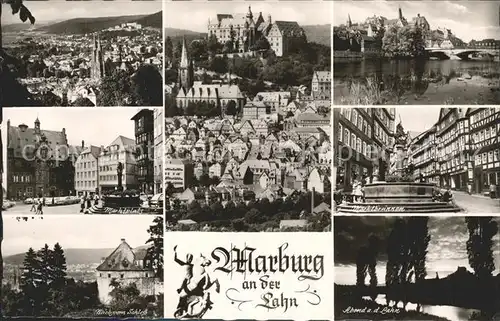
(392, 40)
(142, 88)
(293, 69)
(44, 289)
(256, 215)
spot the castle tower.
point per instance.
(185, 69)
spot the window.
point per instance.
(341, 133)
(109, 275)
(121, 276)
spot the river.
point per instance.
(446, 252)
(346, 275)
(412, 82)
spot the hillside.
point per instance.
(319, 34)
(73, 256)
(177, 34)
(154, 20)
(88, 25)
(315, 33)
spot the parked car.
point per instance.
(8, 204)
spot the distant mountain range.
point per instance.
(89, 25)
(73, 256)
(315, 33)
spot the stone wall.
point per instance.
(144, 281)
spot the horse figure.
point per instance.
(194, 299)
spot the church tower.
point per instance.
(186, 74)
(400, 14)
(37, 126)
(97, 63)
(349, 22)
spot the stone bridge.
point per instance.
(462, 53)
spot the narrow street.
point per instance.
(24, 209)
(476, 204)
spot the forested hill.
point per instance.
(89, 25)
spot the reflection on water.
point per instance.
(444, 311)
(346, 274)
(417, 68)
(419, 81)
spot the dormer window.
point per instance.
(125, 263)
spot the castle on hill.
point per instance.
(246, 29)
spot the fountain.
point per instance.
(394, 190)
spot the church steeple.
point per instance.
(249, 13)
(186, 72)
(400, 13)
(349, 22)
(184, 55)
(37, 125)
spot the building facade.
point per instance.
(38, 162)
(179, 173)
(461, 151)
(126, 266)
(121, 150)
(158, 150)
(144, 140)
(87, 171)
(321, 85)
(244, 30)
(364, 138)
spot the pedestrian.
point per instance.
(96, 200)
(33, 205)
(40, 206)
(82, 203)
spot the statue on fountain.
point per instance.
(398, 151)
(119, 172)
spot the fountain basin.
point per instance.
(398, 192)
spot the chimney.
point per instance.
(123, 240)
(269, 18)
(64, 131)
(83, 144)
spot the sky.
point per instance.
(95, 126)
(467, 19)
(83, 232)
(194, 15)
(58, 10)
(417, 119)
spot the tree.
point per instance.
(114, 90)
(169, 49)
(205, 180)
(57, 262)
(123, 298)
(147, 86)
(479, 245)
(262, 44)
(231, 108)
(213, 45)
(154, 254)
(419, 235)
(29, 281)
(83, 102)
